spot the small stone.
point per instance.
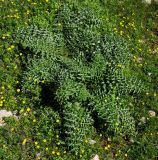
(38, 154)
(149, 1)
(152, 113)
(96, 157)
(146, 1)
(92, 141)
(5, 113)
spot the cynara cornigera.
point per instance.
(88, 71)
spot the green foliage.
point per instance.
(146, 144)
(70, 90)
(114, 110)
(39, 40)
(78, 126)
(79, 29)
(32, 131)
(68, 55)
(92, 69)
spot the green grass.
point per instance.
(38, 131)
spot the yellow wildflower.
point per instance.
(82, 151)
(140, 49)
(2, 87)
(22, 110)
(28, 110)
(34, 120)
(109, 146)
(53, 152)
(115, 29)
(12, 46)
(44, 140)
(28, 12)
(15, 67)
(140, 65)
(121, 23)
(46, 149)
(23, 102)
(106, 148)
(34, 3)
(59, 24)
(36, 143)
(58, 143)
(24, 141)
(1, 103)
(58, 153)
(18, 90)
(38, 147)
(121, 33)
(119, 65)
(86, 141)
(57, 136)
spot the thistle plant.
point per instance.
(88, 71)
(77, 125)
